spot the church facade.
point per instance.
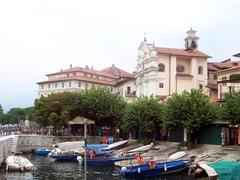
(164, 71)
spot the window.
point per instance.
(128, 89)
(224, 79)
(70, 83)
(48, 85)
(111, 88)
(180, 68)
(161, 67)
(79, 84)
(91, 76)
(74, 74)
(215, 77)
(160, 85)
(86, 86)
(67, 75)
(55, 85)
(62, 84)
(200, 70)
(200, 86)
(42, 86)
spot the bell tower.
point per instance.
(191, 41)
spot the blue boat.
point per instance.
(95, 147)
(162, 168)
(73, 157)
(105, 161)
(42, 152)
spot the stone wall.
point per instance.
(27, 143)
(5, 145)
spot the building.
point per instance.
(164, 71)
(219, 78)
(77, 79)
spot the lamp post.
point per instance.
(85, 153)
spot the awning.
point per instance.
(81, 120)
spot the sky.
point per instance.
(42, 37)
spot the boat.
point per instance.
(18, 163)
(105, 161)
(42, 152)
(152, 169)
(94, 147)
(72, 156)
(177, 155)
(226, 169)
(141, 149)
(115, 145)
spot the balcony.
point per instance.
(130, 93)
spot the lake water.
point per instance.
(45, 169)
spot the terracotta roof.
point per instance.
(226, 64)
(211, 67)
(237, 55)
(181, 52)
(86, 70)
(117, 72)
(228, 70)
(79, 78)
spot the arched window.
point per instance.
(180, 69)
(161, 67)
(200, 70)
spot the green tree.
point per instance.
(230, 109)
(144, 114)
(55, 109)
(191, 110)
(102, 106)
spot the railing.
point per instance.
(10, 130)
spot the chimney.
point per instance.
(91, 68)
(70, 66)
(61, 70)
(86, 67)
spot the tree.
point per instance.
(143, 114)
(102, 106)
(191, 110)
(55, 109)
(230, 109)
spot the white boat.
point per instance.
(141, 149)
(177, 155)
(18, 163)
(71, 146)
(116, 145)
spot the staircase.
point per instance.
(13, 145)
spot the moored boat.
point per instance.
(71, 156)
(116, 145)
(141, 149)
(42, 152)
(105, 161)
(152, 169)
(177, 155)
(18, 163)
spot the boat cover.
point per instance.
(227, 170)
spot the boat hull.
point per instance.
(42, 152)
(160, 169)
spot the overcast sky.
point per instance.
(41, 37)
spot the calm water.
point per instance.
(45, 169)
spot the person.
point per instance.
(56, 150)
(151, 164)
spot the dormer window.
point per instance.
(200, 70)
(161, 67)
(180, 69)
